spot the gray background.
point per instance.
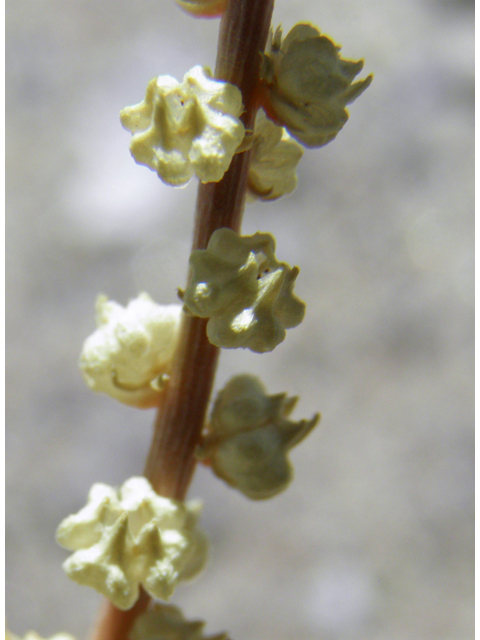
(374, 538)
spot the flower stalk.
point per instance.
(170, 464)
(115, 624)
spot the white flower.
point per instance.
(273, 161)
(128, 357)
(184, 129)
(249, 436)
(130, 537)
(247, 294)
(31, 635)
(203, 8)
(166, 622)
(307, 85)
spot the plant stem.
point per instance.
(170, 465)
(180, 418)
(114, 624)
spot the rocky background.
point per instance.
(374, 538)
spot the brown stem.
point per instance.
(180, 418)
(170, 465)
(114, 624)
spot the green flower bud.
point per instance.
(307, 85)
(167, 622)
(273, 161)
(247, 294)
(249, 436)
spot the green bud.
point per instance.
(249, 437)
(307, 85)
(245, 292)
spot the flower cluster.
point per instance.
(249, 436)
(307, 85)
(187, 128)
(273, 161)
(167, 622)
(130, 537)
(128, 357)
(247, 294)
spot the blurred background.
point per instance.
(374, 538)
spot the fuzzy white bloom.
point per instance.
(31, 635)
(249, 436)
(129, 355)
(164, 622)
(130, 537)
(247, 294)
(273, 161)
(307, 84)
(185, 129)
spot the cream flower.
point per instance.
(273, 161)
(130, 537)
(203, 8)
(184, 129)
(31, 635)
(166, 622)
(249, 436)
(247, 294)
(308, 85)
(128, 357)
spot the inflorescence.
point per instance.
(131, 538)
